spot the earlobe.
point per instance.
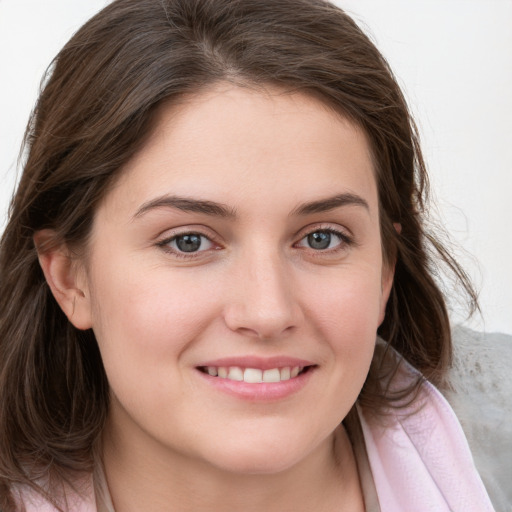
(66, 282)
(388, 274)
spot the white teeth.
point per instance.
(253, 375)
(285, 373)
(235, 373)
(273, 375)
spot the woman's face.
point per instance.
(242, 242)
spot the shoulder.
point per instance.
(418, 454)
(479, 389)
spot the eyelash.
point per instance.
(345, 242)
(165, 244)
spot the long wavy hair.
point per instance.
(95, 109)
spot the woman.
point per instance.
(218, 225)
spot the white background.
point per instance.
(453, 58)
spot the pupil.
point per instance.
(319, 240)
(188, 243)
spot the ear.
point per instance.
(65, 279)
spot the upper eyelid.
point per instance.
(323, 226)
(164, 242)
(170, 233)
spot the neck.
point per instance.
(141, 478)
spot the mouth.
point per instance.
(257, 379)
(255, 375)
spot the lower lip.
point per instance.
(261, 391)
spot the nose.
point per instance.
(263, 299)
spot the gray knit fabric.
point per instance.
(480, 392)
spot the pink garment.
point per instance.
(420, 462)
(83, 501)
(420, 459)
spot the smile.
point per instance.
(257, 379)
(254, 375)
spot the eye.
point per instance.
(187, 243)
(324, 239)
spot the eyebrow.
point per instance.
(330, 203)
(186, 204)
(220, 210)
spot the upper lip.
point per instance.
(262, 363)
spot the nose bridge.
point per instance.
(264, 303)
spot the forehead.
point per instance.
(238, 144)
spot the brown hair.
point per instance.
(93, 113)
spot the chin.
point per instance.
(259, 456)
(256, 464)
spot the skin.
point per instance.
(256, 287)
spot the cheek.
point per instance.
(143, 318)
(144, 325)
(347, 314)
(348, 301)
(344, 311)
